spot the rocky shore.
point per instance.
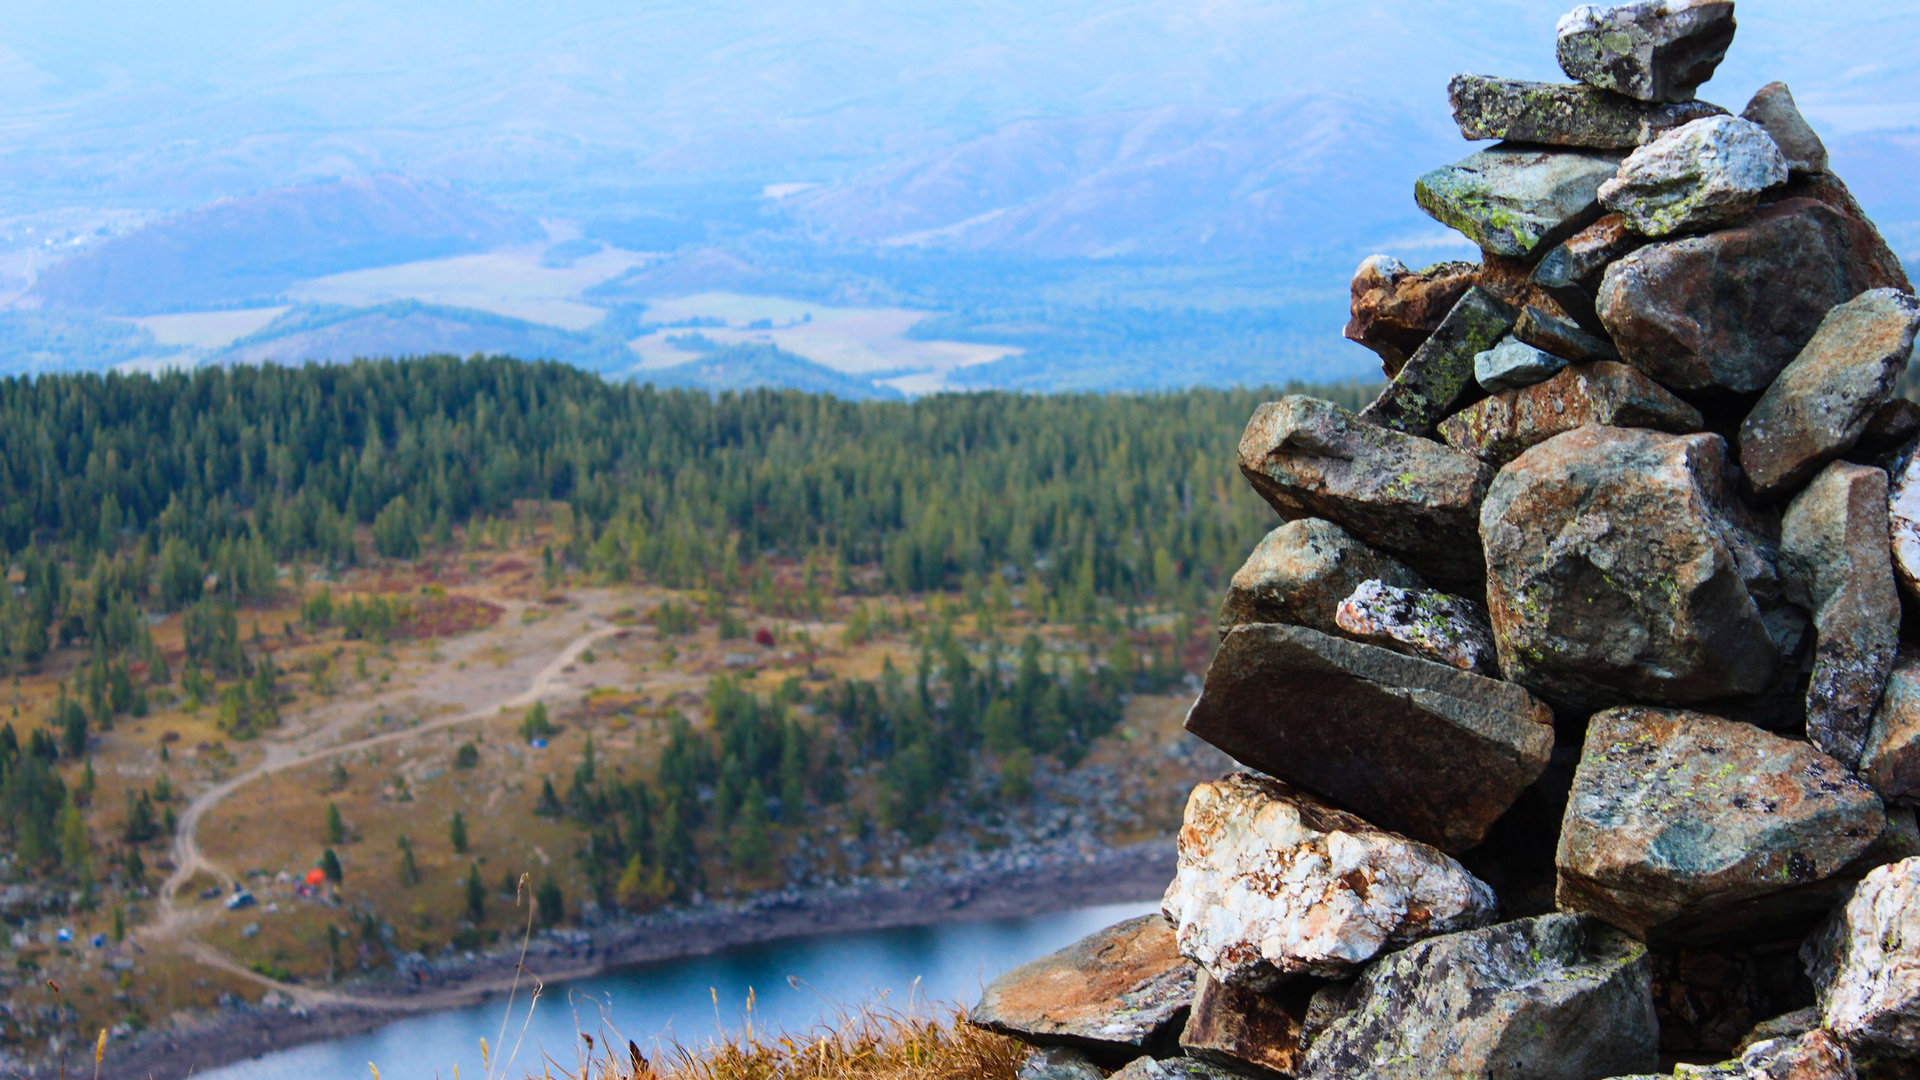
(1006, 883)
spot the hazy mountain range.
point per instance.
(1002, 163)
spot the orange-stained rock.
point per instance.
(1395, 310)
(1247, 1030)
(1505, 425)
(1115, 992)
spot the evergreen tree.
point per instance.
(330, 866)
(476, 895)
(336, 831)
(550, 905)
(409, 872)
(457, 833)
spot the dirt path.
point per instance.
(175, 924)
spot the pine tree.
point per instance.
(550, 905)
(336, 825)
(476, 895)
(330, 866)
(549, 804)
(76, 848)
(457, 833)
(409, 869)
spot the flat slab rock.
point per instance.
(1512, 364)
(1275, 883)
(1121, 989)
(1301, 571)
(1450, 630)
(1620, 567)
(1730, 309)
(1834, 562)
(1440, 376)
(1513, 200)
(1678, 818)
(1825, 399)
(1428, 751)
(1551, 998)
(1410, 497)
(1865, 966)
(1394, 310)
(1654, 50)
(1700, 175)
(1501, 427)
(1815, 1055)
(1562, 114)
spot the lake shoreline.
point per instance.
(1047, 881)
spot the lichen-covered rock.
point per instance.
(1731, 308)
(1300, 572)
(1395, 310)
(1512, 364)
(1431, 625)
(1515, 200)
(1562, 337)
(1621, 568)
(1428, 751)
(1245, 1029)
(1654, 50)
(1866, 965)
(1500, 428)
(1274, 883)
(1834, 562)
(1057, 1063)
(1562, 114)
(1679, 818)
(1439, 377)
(1413, 498)
(1891, 760)
(1115, 992)
(1572, 272)
(1702, 174)
(1822, 402)
(1177, 1068)
(1773, 108)
(1551, 998)
(1814, 1055)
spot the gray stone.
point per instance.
(1561, 337)
(1823, 402)
(1274, 883)
(1834, 563)
(1551, 998)
(1439, 377)
(1866, 965)
(1730, 309)
(1500, 428)
(1890, 426)
(1698, 176)
(1299, 573)
(1655, 50)
(1813, 1055)
(1620, 567)
(1773, 108)
(1903, 517)
(1428, 751)
(1247, 1030)
(1681, 824)
(1515, 200)
(1415, 499)
(1394, 309)
(1891, 761)
(1562, 114)
(1512, 364)
(1179, 1068)
(1115, 992)
(1057, 1063)
(1449, 630)
(1572, 272)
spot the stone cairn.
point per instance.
(1586, 738)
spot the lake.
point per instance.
(795, 984)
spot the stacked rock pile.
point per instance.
(1586, 741)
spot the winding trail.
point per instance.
(174, 924)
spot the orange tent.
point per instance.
(315, 878)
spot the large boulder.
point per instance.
(1411, 497)
(1246, 1029)
(1654, 50)
(1435, 626)
(1116, 993)
(1730, 309)
(1891, 760)
(1426, 750)
(1773, 108)
(1274, 883)
(1866, 965)
(1834, 563)
(1301, 571)
(1394, 309)
(1702, 174)
(1561, 114)
(1815, 1055)
(1824, 401)
(1499, 428)
(1514, 200)
(1684, 825)
(1551, 998)
(1439, 377)
(1620, 567)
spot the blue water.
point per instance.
(795, 985)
